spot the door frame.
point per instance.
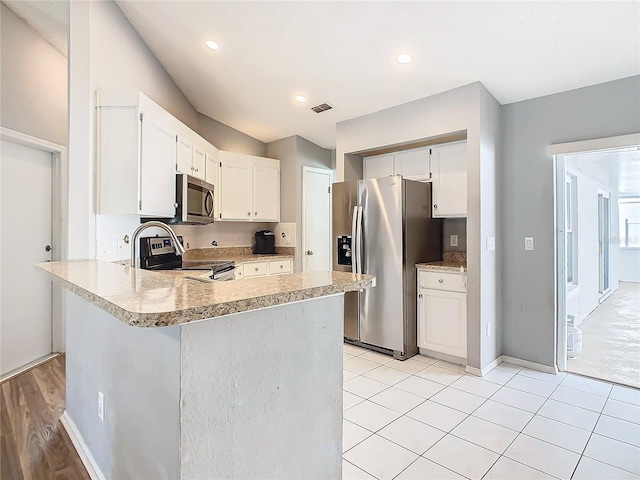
(331, 174)
(559, 152)
(59, 221)
(604, 260)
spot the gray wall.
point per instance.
(527, 185)
(33, 82)
(294, 153)
(281, 420)
(138, 371)
(455, 226)
(229, 139)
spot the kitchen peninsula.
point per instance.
(204, 380)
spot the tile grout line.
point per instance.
(591, 435)
(445, 386)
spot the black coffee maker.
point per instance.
(265, 243)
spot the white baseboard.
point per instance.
(481, 372)
(530, 365)
(83, 451)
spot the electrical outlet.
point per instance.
(101, 406)
(528, 243)
(239, 238)
(122, 247)
(489, 329)
(453, 241)
(491, 244)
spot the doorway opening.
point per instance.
(598, 262)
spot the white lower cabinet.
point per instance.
(262, 269)
(442, 312)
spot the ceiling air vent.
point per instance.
(323, 107)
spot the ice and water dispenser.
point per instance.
(344, 250)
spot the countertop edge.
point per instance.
(204, 312)
(441, 268)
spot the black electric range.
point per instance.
(157, 253)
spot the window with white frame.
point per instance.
(629, 209)
(571, 227)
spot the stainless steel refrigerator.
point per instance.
(383, 227)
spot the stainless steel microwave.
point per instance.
(194, 201)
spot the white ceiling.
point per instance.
(345, 52)
(621, 167)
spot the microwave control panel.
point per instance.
(344, 250)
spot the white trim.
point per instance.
(530, 365)
(607, 143)
(28, 366)
(59, 221)
(481, 372)
(81, 447)
(330, 174)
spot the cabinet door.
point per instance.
(266, 193)
(442, 322)
(449, 168)
(157, 168)
(413, 164)
(378, 166)
(184, 156)
(199, 163)
(235, 189)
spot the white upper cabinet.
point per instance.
(449, 179)
(413, 164)
(136, 156)
(141, 146)
(235, 189)
(266, 191)
(157, 156)
(249, 188)
(378, 166)
(191, 157)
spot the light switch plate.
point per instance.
(453, 241)
(491, 244)
(528, 243)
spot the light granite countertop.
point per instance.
(443, 266)
(151, 299)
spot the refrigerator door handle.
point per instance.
(354, 250)
(359, 241)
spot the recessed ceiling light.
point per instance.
(404, 58)
(212, 45)
(300, 98)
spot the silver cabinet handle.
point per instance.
(420, 296)
(255, 213)
(256, 269)
(440, 280)
(281, 266)
(248, 214)
(435, 205)
(309, 252)
(47, 248)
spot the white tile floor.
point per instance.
(426, 419)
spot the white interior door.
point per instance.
(25, 233)
(316, 221)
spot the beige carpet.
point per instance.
(611, 339)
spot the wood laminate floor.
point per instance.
(34, 445)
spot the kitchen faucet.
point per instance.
(134, 238)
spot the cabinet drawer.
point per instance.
(256, 269)
(278, 267)
(452, 282)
